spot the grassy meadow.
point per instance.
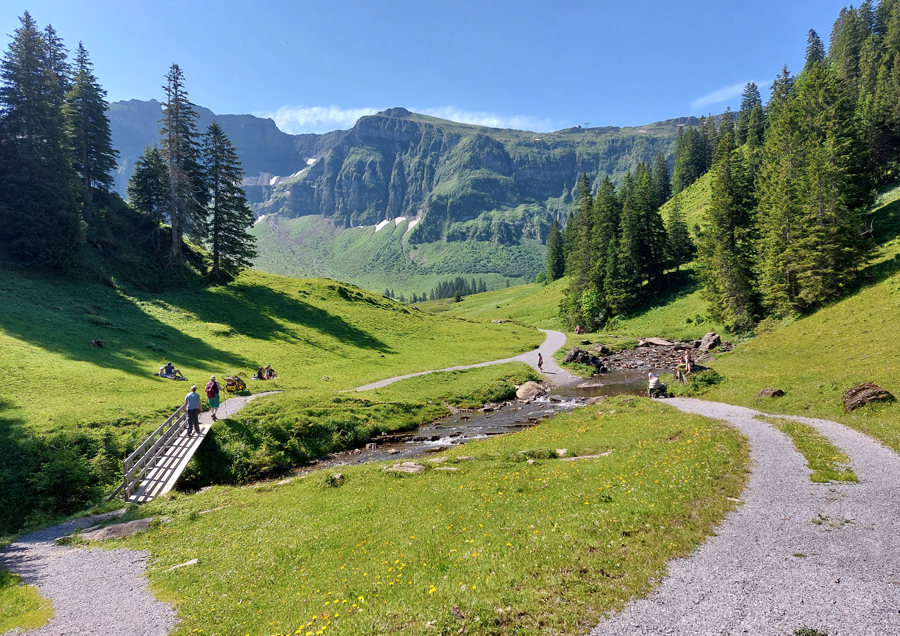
(21, 606)
(496, 545)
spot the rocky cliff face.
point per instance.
(462, 182)
(397, 163)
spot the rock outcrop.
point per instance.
(863, 394)
(530, 390)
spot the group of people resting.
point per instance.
(267, 373)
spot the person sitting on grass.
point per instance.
(260, 374)
(270, 372)
(169, 371)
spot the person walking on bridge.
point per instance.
(192, 408)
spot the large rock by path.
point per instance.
(117, 531)
(862, 394)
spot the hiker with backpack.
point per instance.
(212, 394)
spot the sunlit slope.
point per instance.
(382, 258)
(318, 334)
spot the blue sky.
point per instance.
(315, 66)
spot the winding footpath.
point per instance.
(793, 555)
(556, 375)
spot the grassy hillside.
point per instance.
(693, 202)
(70, 410)
(384, 259)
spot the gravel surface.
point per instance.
(93, 591)
(795, 554)
(553, 373)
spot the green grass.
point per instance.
(693, 201)
(823, 458)
(535, 305)
(513, 546)
(21, 606)
(70, 410)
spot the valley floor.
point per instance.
(794, 554)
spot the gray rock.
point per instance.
(118, 531)
(406, 467)
(530, 390)
(770, 393)
(710, 341)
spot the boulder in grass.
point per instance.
(770, 393)
(406, 467)
(863, 394)
(710, 341)
(530, 390)
(656, 342)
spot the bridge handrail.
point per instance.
(145, 456)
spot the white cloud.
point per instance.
(719, 96)
(320, 119)
(316, 119)
(494, 120)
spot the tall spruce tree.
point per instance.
(750, 102)
(181, 149)
(815, 50)
(148, 188)
(40, 217)
(88, 129)
(232, 248)
(813, 186)
(662, 184)
(726, 246)
(579, 262)
(556, 260)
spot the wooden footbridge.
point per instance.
(157, 464)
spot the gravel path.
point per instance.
(752, 577)
(555, 374)
(93, 591)
(96, 591)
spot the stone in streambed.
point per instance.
(530, 390)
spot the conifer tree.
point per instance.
(88, 127)
(579, 263)
(556, 262)
(148, 188)
(607, 217)
(815, 50)
(662, 184)
(232, 248)
(619, 285)
(679, 244)
(750, 101)
(813, 186)
(40, 218)
(180, 147)
(726, 246)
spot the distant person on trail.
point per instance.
(540, 363)
(212, 394)
(270, 372)
(192, 408)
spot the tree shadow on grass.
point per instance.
(885, 222)
(15, 493)
(252, 310)
(102, 327)
(670, 288)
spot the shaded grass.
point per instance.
(21, 606)
(823, 458)
(512, 546)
